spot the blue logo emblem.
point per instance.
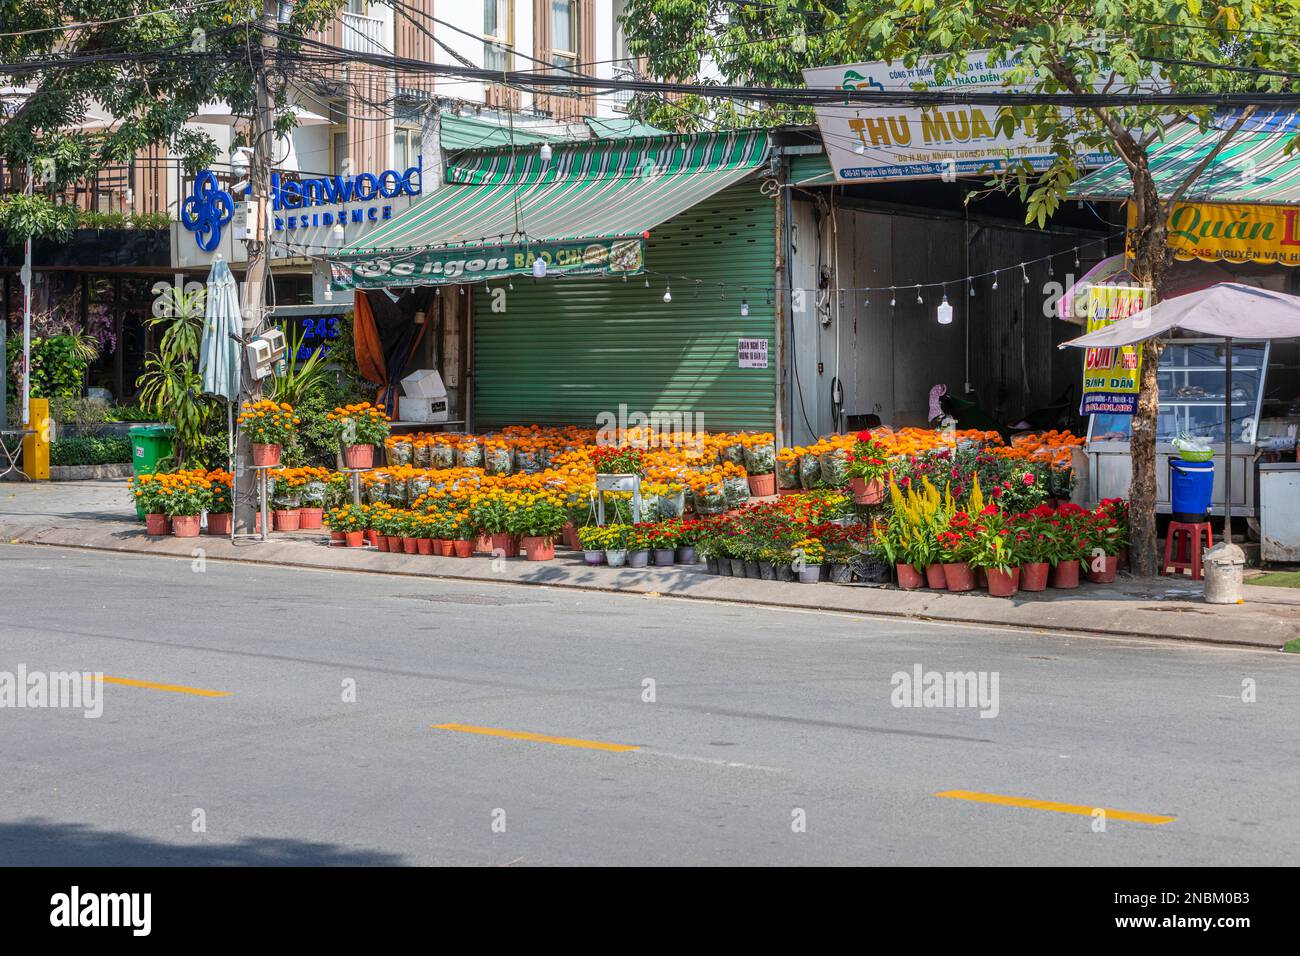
(207, 210)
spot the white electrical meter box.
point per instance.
(264, 351)
(423, 398)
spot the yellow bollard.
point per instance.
(36, 446)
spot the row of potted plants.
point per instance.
(174, 502)
(935, 542)
(668, 542)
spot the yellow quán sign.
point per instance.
(1232, 232)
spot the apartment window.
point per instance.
(564, 33)
(339, 152)
(406, 147)
(357, 6)
(498, 34)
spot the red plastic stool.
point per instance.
(1183, 547)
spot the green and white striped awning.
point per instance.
(586, 211)
(1254, 167)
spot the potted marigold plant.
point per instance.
(186, 495)
(759, 454)
(807, 557)
(351, 521)
(220, 507)
(867, 469)
(536, 520)
(592, 539)
(286, 498)
(270, 426)
(315, 489)
(638, 545)
(147, 492)
(616, 543)
(662, 538)
(358, 429)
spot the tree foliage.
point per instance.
(1114, 46)
(146, 65)
(765, 43)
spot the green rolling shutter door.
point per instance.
(564, 350)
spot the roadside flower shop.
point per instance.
(914, 508)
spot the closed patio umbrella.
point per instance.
(220, 360)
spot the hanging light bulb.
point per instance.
(668, 294)
(744, 308)
(893, 299)
(995, 280)
(1051, 273)
(647, 282)
(539, 268)
(971, 284)
(510, 284)
(945, 311)
(1024, 272)
(919, 300)
(1076, 258)
(867, 300)
(545, 152)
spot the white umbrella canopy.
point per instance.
(1226, 310)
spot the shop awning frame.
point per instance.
(1254, 167)
(587, 210)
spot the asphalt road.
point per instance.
(771, 737)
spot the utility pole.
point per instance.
(253, 306)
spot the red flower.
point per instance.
(1028, 478)
(864, 436)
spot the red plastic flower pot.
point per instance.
(444, 547)
(1003, 584)
(354, 539)
(310, 519)
(157, 525)
(537, 548)
(482, 544)
(424, 545)
(909, 579)
(506, 543)
(959, 576)
(185, 526)
(336, 537)
(762, 486)
(1106, 574)
(219, 523)
(372, 536)
(1066, 574)
(462, 549)
(380, 541)
(410, 545)
(358, 456)
(394, 544)
(1033, 576)
(934, 578)
(265, 456)
(286, 520)
(867, 492)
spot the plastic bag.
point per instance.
(442, 455)
(760, 459)
(423, 455)
(834, 467)
(469, 455)
(399, 453)
(736, 490)
(787, 473)
(498, 460)
(810, 472)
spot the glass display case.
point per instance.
(1192, 379)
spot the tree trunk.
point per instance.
(1150, 246)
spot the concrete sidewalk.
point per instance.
(96, 515)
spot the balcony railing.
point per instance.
(363, 34)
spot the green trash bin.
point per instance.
(149, 444)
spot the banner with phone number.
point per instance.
(1112, 376)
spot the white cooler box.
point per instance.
(423, 398)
